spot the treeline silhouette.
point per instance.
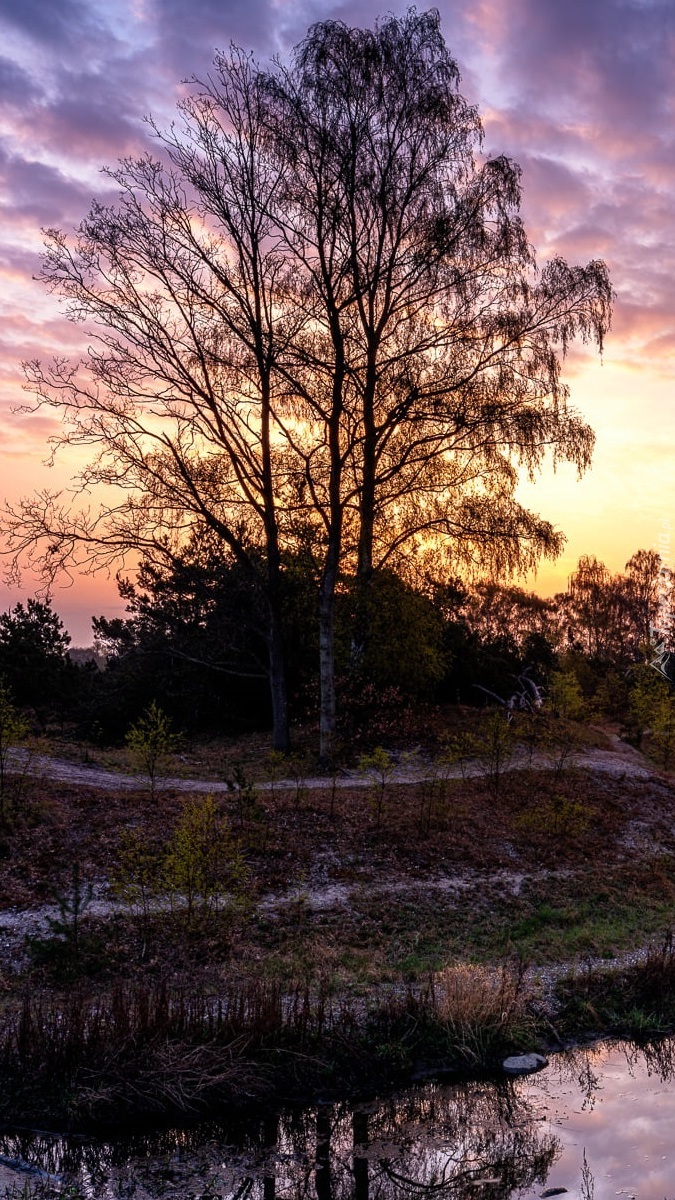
(194, 641)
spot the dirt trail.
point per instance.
(16, 924)
(621, 761)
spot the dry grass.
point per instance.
(481, 1008)
(147, 1050)
(158, 1051)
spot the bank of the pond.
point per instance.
(81, 1061)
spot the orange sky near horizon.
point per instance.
(583, 97)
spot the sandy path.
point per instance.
(621, 761)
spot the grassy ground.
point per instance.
(360, 902)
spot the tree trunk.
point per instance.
(360, 1134)
(364, 562)
(271, 1136)
(364, 567)
(277, 654)
(322, 1175)
(281, 738)
(328, 705)
(329, 578)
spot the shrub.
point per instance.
(136, 876)
(150, 741)
(497, 743)
(379, 767)
(649, 705)
(13, 729)
(480, 1009)
(203, 866)
(565, 698)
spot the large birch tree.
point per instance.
(323, 312)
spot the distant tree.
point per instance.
(34, 655)
(494, 632)
(595, 612)
(196, 638)
(405, 644)
(645, 582)
(617, 618)
(496, 610)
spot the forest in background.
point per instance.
(194, 644)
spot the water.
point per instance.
(598, 1123)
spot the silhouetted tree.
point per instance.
(647, 585)
(440, 358)
(195, 639)
(181, 285)
(34, 656)
(328, 310)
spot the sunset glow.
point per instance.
(582, 96)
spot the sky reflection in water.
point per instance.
(597, 1123)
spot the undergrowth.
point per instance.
(157, 1051)
(636, 1002)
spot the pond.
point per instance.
(597, 1123)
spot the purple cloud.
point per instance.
(17, 88)
(46, 22)
(189, 34)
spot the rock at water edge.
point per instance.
(524, 1064)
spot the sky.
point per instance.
(580, 92)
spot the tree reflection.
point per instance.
(432, 1141)
(442, 1142)
(659, 1057)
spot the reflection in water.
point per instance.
(597, 1124)
(432, 1141)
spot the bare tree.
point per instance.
(182, 289)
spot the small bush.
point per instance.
(150, 741)
(13, 731)
(480, 1009)
(136, 877)
(378, 767)
(203, 866)
(555, 817)
(565, 698)
(497, 743)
